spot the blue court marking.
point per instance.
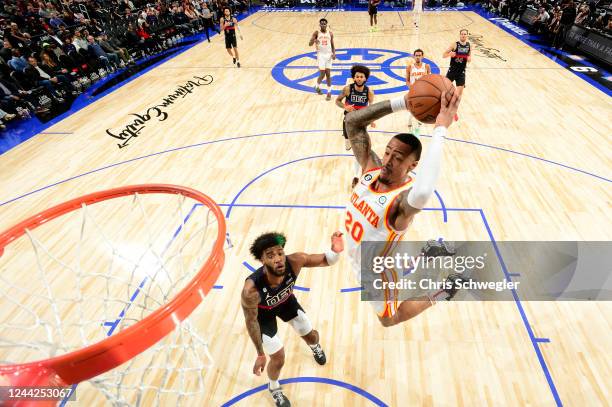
(377, 402)
(253, 269)
(217, 287)
(229, 209)
(542, 340)
(380, 61)
(444, 214)
(519, 306)
(351, 289)
(514, 274)
(248, 266)
(293, 132)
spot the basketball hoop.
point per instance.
(178, 260)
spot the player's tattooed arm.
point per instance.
(356, 124)
(250, 299)
(341, 97)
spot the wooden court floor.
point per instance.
(530, 153)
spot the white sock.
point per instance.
(398, 103)
(317, 85)
(328, 88)
(313, 347)
(274, 384)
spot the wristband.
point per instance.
(398, 103)
(332, 257)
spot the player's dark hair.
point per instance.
(462, 30)
(355, 69)
(266, 241)
(418, 50)
(323, 19)
(412, 141)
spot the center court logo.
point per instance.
(388, 69)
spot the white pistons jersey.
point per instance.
(416, 73)
(324, 42)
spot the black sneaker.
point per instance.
(234, 60)
(279, 398)
(453, 278)
(434, 248)
(238, 64)
(319, 355)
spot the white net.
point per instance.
(92, 273)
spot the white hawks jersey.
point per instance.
(324, 44)
(416, 73)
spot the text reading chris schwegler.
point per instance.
(459, 264)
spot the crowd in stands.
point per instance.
(554, 18)
(50, 51)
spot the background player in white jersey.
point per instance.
(326, 52)
(386, 198)
(414, 71)
(268, 294)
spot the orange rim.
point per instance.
(93, 360)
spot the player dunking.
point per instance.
(355, 96)
(370, 217)
(460, 54)
(268, 293)
(326, 52)
(229, 25)
(373, 12)
(414, 71)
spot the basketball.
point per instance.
(423, 100)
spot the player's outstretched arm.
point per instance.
(429, 168)
(356, 124)
(329, 258)
(249, 300)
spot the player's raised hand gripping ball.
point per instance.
(423, 99)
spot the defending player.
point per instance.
(268, 293)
